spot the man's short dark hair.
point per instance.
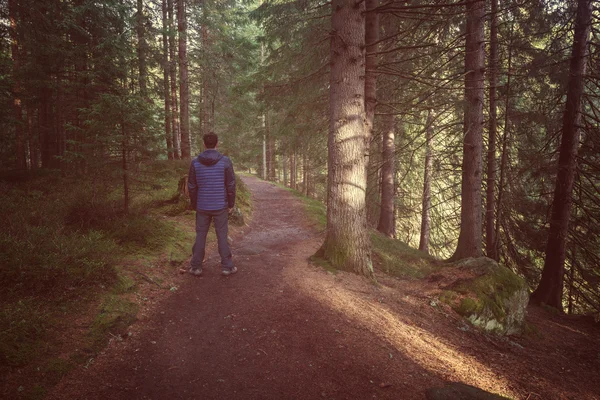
(210, 140)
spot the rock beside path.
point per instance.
(494, 298)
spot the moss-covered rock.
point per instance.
(492, 298)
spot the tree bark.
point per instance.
(470, 238)
(426, 205)
(505, 147)
(205, 110)
(371, 38)
(166, 74)
(490, 241)
(387, 224)
(173, 73)
(141, 49)
(16, 67)
(183, 79)
(347, 243)
(125, 166)
(293, 170)
(550, 289)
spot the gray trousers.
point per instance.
(203, 219)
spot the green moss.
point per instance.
(115, 315)
(448, 297)
(483, 299)
(399, 259)
(124, 284)
(323, 263)
(469, 306)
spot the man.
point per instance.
(211, 183)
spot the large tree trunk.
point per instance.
(166, 73)
(550, 289)
(469, 240)
(173, 73)
(426, 205)
(371, 38)
(387, 224)
(347, 243)
(183, 80)
(490, 241)
(17, 107)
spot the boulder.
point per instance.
(489, 295)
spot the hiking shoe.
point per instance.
(195, 271)
(229, 271)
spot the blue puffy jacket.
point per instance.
(211, 181)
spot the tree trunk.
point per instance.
(293, 170)
(490, 241)
(387, 223)
(34, 143)
(347, 243)
(204, 98)
(426, 207)
(16, 67)
(285, 170)
(141, 49)
(173, 72)
(371, 38)
(183, 79)
(48, 140)
(550, 289)
(469, 240)
(505, 147)
(270, 149)
(124, 151)
(305, 173)
(166, 73)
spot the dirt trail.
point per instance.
(284, 329)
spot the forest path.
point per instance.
(282, 328)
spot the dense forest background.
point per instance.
(95, 89)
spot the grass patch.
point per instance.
(23, 332)
(398, 259)
(114, 317)
(315, 209)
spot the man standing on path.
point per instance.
(211, 183)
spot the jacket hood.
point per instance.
(210, 157)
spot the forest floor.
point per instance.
(283, 328)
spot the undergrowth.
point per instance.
(62, 246)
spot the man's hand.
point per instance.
(230, 210)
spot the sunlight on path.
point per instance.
(417, 344)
